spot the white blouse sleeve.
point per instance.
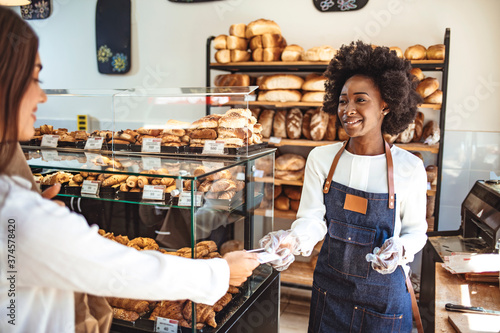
(413, 209)
(56, 248)
(310, 225)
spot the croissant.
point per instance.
(125, 314)
(221, 303)
(143, 243)
(167, 181)
(168, 309)
(132, 181)
(223, 185)
(204, 313)
(129, 304)
(124, 187)
(210, 245)
(142, 180)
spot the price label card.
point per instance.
(91, 187)
(49, 140)
(268, 213)
(165, 325)
(213, 147)
(151, 145)
(185, 199)
(240, 176)
(153, 192)
(38, 184)
(149, 163)
(50, 155)
(94, 143)
(96, 159)
(258, 173)
(275, 140)
(429, 186)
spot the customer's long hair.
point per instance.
(18, 50)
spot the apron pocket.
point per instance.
(317, 307)
(348, 246)
(364, 320)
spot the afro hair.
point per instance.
(390, 74)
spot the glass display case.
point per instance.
(193, 200)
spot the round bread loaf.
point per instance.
(436, 52)
(290, 162)
(427, 86)
(319, 123)
(306, 123)
(266, 119)
(293, 192)
(277, 190)
(432, 172)
(407, 135)
(210, 121)
(435, 98)
(418, 73)
(294, 205)
(419, 127)
(416, 52)
(294, 123)
(431, 133)
(289, 175)
(282, 203)
(279, 124)
(292, 53)
(398, 51)
(233, 120)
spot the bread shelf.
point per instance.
(303, 104)
(415, 146)
(300, 273)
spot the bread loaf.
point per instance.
(210, 121)
(398, 51)
(431, 203)
(255, 43)
(436, 52)
(313, 96)
(306, 123)
(314, 82)
(236, 43)
(342, 134)
(418, 73)
(240, 55)
(230, 246)
(238, 30)
(280, 81)
(407, 135)
(419, 127)
(223, 56)
(293, 192)
(220, 42)
(418, 154)
(280, 95)
(389, 138)
(435, 98)
(262, 26)
(427, 86)
(432, 173)
(237, 80)
(431, 133)
(319, 122)
(290, 162)
(294, 205)
(289, 175)
(294, 123)
(256, 113)
(266, 119)
(292, 53)
(258, 54)
(319, 53)
(416, 52)
(282, 203)
(331, 130)
(277, 190)
(272, 40)
(279, 124)
(271, 54)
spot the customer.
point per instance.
(47, 253)
(376, 199)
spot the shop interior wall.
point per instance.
(168, 50)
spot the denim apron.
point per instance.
(348, 294)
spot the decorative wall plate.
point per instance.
(112, 23)
(339, 5)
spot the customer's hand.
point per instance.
(284, 243)
(51, 192)
(241, 265)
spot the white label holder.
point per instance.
(213, 147)
(94, 143)
(153, 192)
(165, 325)
(49, 140)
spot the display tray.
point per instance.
(230, 151)
(145, 324)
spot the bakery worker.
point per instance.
(54, 252)
(364, 197)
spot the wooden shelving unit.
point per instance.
(300, 104)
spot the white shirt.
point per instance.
(58, 253)
(366, 173)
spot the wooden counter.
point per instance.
(452, 288)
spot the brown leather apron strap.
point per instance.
(326, 187)
(414, 306)
(390, 172)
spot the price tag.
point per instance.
(258, 173)
(94, 143)
(37, 184)
(151, 145)
(429, 186)
(185, 199)
(268, 213)
(213, 147)
(275, 140)
(149, 163)
(240, 176)
(49, 140)
(50, 155)
(153, 192)
(96, 159)
(165, 325)
(91, 187)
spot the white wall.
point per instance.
(169, 39)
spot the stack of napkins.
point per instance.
(459, 263)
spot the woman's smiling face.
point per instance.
(361, 108)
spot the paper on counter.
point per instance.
(459, 263)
